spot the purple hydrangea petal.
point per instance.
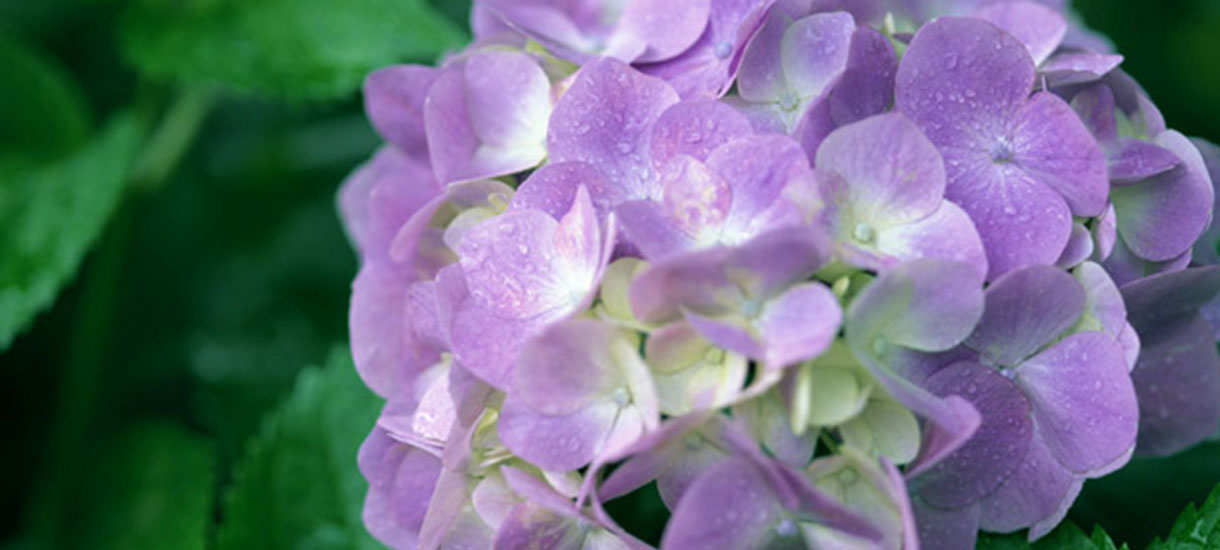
(696, 200)
(947, 234)
(394, 102)
(508, 96)
(716, 281)
(1161, 218)
(669, 27)
(761, 77)
(767, 418)
(759, 169)
(799, 324)
(730, 505)
(1083, 401)
(995, 450)
(1103, 301)
(558, 443)
(708, 67)
(449, 498)
(1007, 159)
(946, 529)
(674, 455)
(1177, 380)
(552, 189)
(927, 305)
(524, 269)
(1146, 120)
(695, 128)
(794, 326)
(567, 367)
(1035, 491)
(415, 241)
(778, 72)
(1134, 160)
(1095, 105)
(401, 481)
(1055, 148)
(605, 119)
(827, 34)
(1079, 247)
(422, 414)
(867, 85)
(487, 117)
(1077, 67)
(1040, 28)
(376, 326)
(538, 491)
(534, 527)
(1177, 376)
(955, 57)
(890, 171)
(544, 21)
(509, 265)
(1025, 310)
(380, 196)
(656, 230)
(1205, 251)
(1124, 266)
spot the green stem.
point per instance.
(172, 138)
(80, 384)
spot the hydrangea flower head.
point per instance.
(867, 274)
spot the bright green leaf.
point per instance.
(296, 49)
(1196, 529)
(298, 485)
(50, 215)
(42, 109)
(1066, 537)
(152, 487)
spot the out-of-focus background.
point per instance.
(174, 279)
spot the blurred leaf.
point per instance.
(1065, 537)
(152, 487)
(1141, 500)
(42, 109)
(296, 49)
(457, 11)
(298, 485)
(1195, 529)
(49, 216)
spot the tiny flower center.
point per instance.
(789, 101)
(752, 308)
(621, 397)
(880, 347)
(864, 233)
(786, 528)
(1002, 152)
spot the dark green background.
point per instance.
(216, 282)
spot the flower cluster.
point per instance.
(866, 274)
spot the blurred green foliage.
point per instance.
(167, 179)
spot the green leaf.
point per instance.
(50, 215)
(298, 485)
(295, 49)
(1065, 537)
(42, 109)
(152, 487)
(1196, 529)
(1142, 500)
